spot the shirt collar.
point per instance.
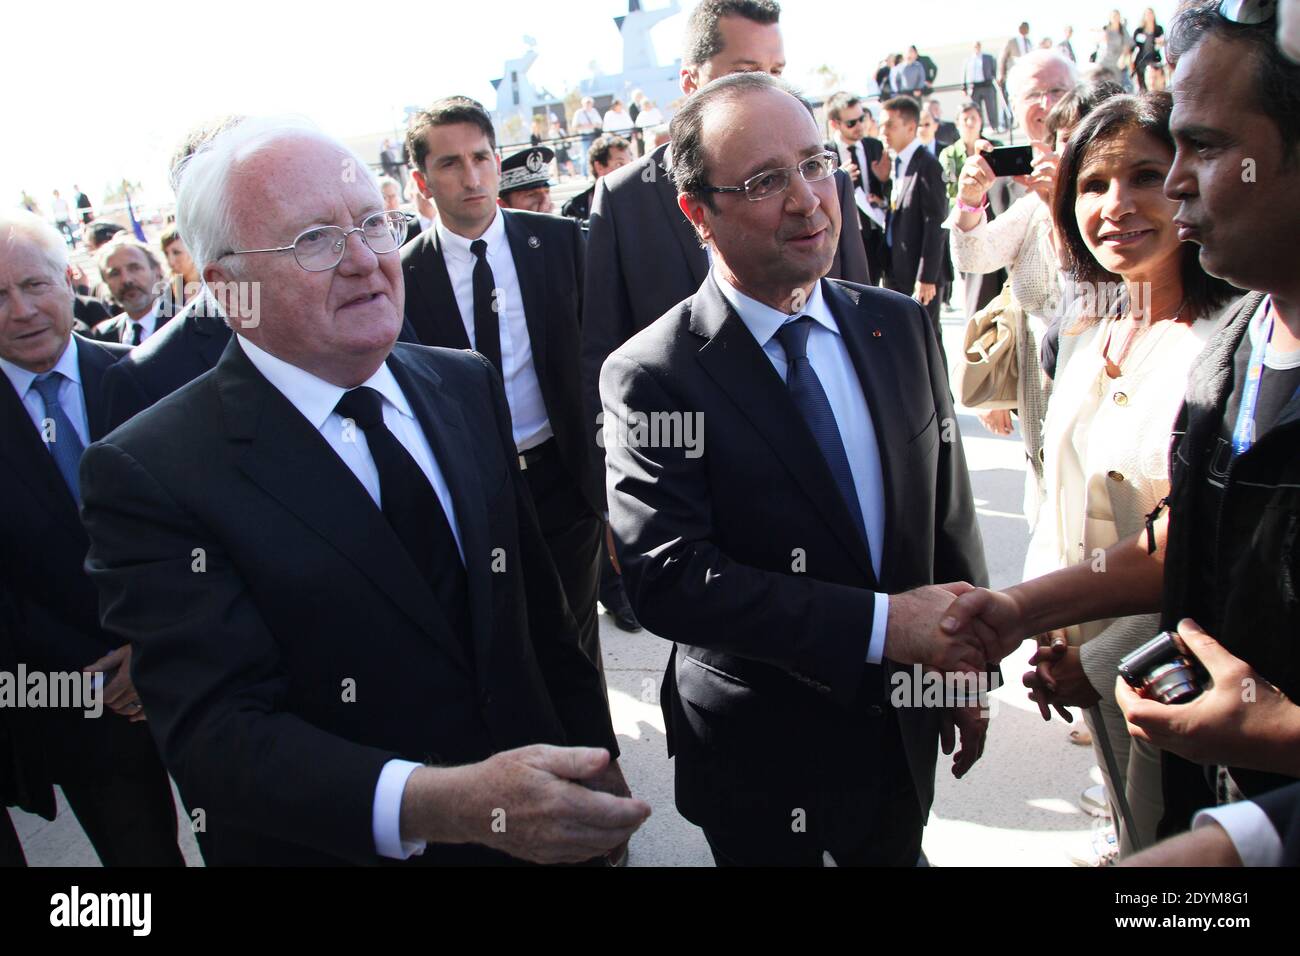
(763, 320)
(150, 319)
(494, 236)
(314, 397)
(906, 155)
(67, 366)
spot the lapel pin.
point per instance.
(876, 334)
(534, 242)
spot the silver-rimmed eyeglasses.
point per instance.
(321, 248)
(773, 182)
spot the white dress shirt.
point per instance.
(829, 357)
(903, 160)
(1249, 828)
(315, 399)
(148, 324)
(975, 69)
(528, 418)
(71, 396)
(856, 154)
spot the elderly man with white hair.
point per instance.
(50, 410)
(347, 630)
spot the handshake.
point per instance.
(953, 627)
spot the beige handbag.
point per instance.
(988, 376)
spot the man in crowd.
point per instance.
(399, 674)
(945, 133)
(644, 257)
(63, 218)
(908, 77)
(84, 206)
(509, 284)
(863, 158)
(50, 410)
(1220, 560)
(134, 278)
(977, 83)
(586, 123)
(1066, 46)
(607, 154)
(525, 181)
(792, 558)
(918, 205)
(1018, 46)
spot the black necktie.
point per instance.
(137, 333)
(412, 508)
(810, 398)
(487, 328)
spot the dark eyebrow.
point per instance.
(1196, 132)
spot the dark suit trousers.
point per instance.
(575, 536)
(116, 786)
(893, 839)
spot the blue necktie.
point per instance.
(893, 194)
(63, 440)
(810, 398)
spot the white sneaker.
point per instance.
(1094, 803)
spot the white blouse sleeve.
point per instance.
(991, 246)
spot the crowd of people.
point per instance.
(329, 500)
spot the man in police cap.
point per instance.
(507, 282)
(526, 180)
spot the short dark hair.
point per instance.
(839, 102)
(1277, 79)
(603, 146)
(101, 231)
(169, 236)
(905, 106)
(687, 128)
(704, 38)
(445, 112)
(1119, 115)
(1071, 108)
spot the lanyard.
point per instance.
(1243, 436)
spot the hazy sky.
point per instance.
(95, 91)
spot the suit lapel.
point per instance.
(92, 361)
(736, 362)
(696, 258)
(30, 460)
(294, 464)
(879, 380)
(443, 422)
(529, 254)
(439, 322)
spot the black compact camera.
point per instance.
(1161, 671)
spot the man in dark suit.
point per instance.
(643, 256)
(790, 548)
(945, 133)
(861, 156)
(918, 205)
(509, 284)
(348, 633)
(607, 153)
(180, 352)
(977, 80)
(50, 409)
(134, 278)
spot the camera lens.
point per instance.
(1173, 683)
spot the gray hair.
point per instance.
(119, 242)
(383, 181)
(687, 127)
(203, 200)
(1020, 70)
(20, 224)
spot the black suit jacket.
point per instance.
(90, 311)
(307, 591)
(921, 206)
(946, 134)
(177, 353)
(24, 779)
(1283, 809)
(767, 699)
(42, 542)
(118, 328)
(644, 257)
(548, 256)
